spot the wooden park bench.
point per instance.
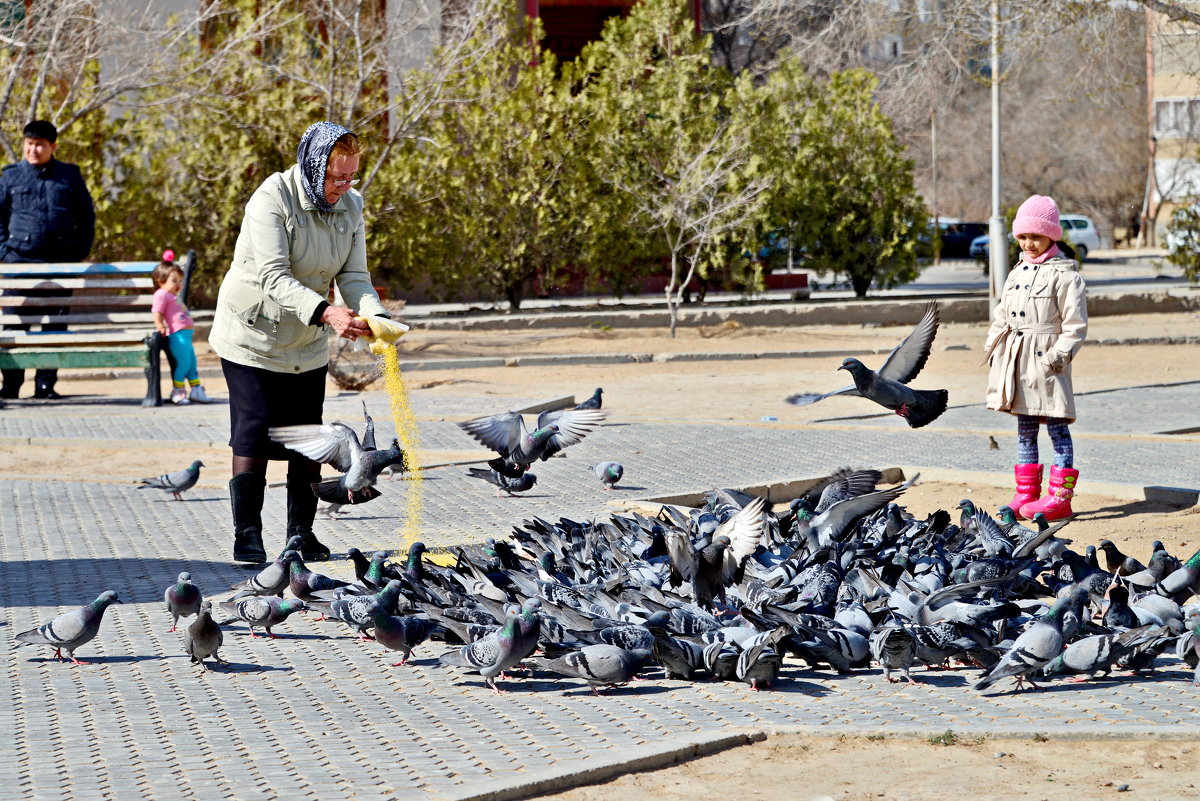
(108, 322)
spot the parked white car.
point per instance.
(1081, 232)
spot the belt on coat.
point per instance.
(1028, 328)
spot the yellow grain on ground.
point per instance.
(406, 431)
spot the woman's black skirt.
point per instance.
(260, 399)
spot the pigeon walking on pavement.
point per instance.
(1035, 647)
(609, 473)
(271, 580)
(889, 387)
(204, 637)
(264, 612)
(182, 599)
(337, 445)
(69, 631)
(490, 655)
(599, 665)
(175, 483)
(594, 402)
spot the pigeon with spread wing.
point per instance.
(889, 387)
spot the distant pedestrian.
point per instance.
(46, 215)
(173, 321)
(1037, 328)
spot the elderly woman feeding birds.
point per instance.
(302, 229)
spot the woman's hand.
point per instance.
(344, 322)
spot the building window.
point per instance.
(1177, 117)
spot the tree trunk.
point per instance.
(861, 284)
(673, 297)
(515, 293)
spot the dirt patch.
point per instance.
(889, 769)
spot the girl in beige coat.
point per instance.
(1037, 328)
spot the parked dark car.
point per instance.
(956, 239)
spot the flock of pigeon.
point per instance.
(842, 578)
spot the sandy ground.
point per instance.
(743, 392)
(892, 769)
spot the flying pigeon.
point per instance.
(182, 599)
(177, 482)
(204, 637)
(265, 611)
(889, 387)
(609, 473)
(337, 445)
(368, 444)
(599, 665)
(522, 483)
(518, 448)
(69, 631)
(719, 564)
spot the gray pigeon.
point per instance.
(1035, 647)
(894, 648)
(889, 387)
(522, 483)
(271, 580)
(519, 448)
(1097, 654)
(337, 445)
(609, 473)
(594, 402)
(204, 637)
(69, 631)
(264, 612)
(182, 599)
(490, 655)
(599, 665)
(177, 482)
(355, 611)
(401, 634)
(759, 662)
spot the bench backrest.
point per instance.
(101, 295)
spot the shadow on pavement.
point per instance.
(71, 583)
(1117, 511)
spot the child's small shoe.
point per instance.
(179, 396)
(199, 395)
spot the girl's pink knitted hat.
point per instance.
(1038, 215)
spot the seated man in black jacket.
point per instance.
(46, 215)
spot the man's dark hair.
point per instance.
(41, 129)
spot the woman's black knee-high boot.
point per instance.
(246, 493)
(301, 510)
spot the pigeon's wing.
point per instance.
(745, 532)
(332, 444)
(806, 398)
(905, 362)
(573, 426)
(500, 432)
(836, 518)
(368, 438)
(988, 527)
(549, 416)
(684, 560)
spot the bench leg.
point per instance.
(155, 343)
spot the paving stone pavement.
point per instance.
(316, 714)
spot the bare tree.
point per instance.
(689, 201)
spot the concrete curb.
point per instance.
(894, 310)
(678, 749)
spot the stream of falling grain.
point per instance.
(406, 431)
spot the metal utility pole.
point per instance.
(997, 236)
